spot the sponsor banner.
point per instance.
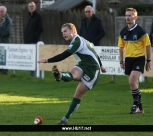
(18, 56)
(110, 58)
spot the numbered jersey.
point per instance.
(83, 51)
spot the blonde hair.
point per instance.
(70, 26)
(133, 10)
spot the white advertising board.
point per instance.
(109, 56)
(18, 56)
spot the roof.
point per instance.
(67, 4)
(135, 1)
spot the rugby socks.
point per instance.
(64, 119)
(66, 76)
(139, 101)
(135, 94)
(73, 107)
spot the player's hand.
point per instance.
(103, 70)
(42, 61)
(122, 65)
(148, 66)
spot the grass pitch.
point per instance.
(22, 98)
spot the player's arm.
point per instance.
(56, 58)
(121, 51)
(121, 58)
(99, 61)
(121, 54)
(101, 66)
(148, 51)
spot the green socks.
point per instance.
(66, 76)
(73, 106)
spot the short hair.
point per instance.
(5, 9)
(133, 10)
(89, 7)
(70, 26)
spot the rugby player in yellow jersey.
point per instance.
(86, 72)
(134, 43)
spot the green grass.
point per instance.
(22, 98)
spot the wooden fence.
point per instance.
(53, 20)
(16, 14)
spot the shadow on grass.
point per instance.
(22, 87)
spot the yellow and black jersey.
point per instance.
(134, 40)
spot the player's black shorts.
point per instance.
(134, 64)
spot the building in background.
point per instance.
(62, 5)
(24, 3)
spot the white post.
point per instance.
(37, 58)
(42, 74)
(113, 78)
(40, 4)
(94, 5)
(14, 72)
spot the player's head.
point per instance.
(3, 11)
(68, 31)
(131, 15)
(88, 11)
(32, 7)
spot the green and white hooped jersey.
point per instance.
(83, 51)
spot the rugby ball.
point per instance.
(38, 120)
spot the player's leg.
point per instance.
(88, 80)
(74, 74)
(133, 79)
(77, 73)
(5, 71)
(80, 91)
(133, 82)
(137, 70)
(32, 73)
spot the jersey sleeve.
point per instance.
(146, 40)
(74, 47)
(121, 42)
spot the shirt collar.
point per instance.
(74, 38)
(130, 29)
(90, 18)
